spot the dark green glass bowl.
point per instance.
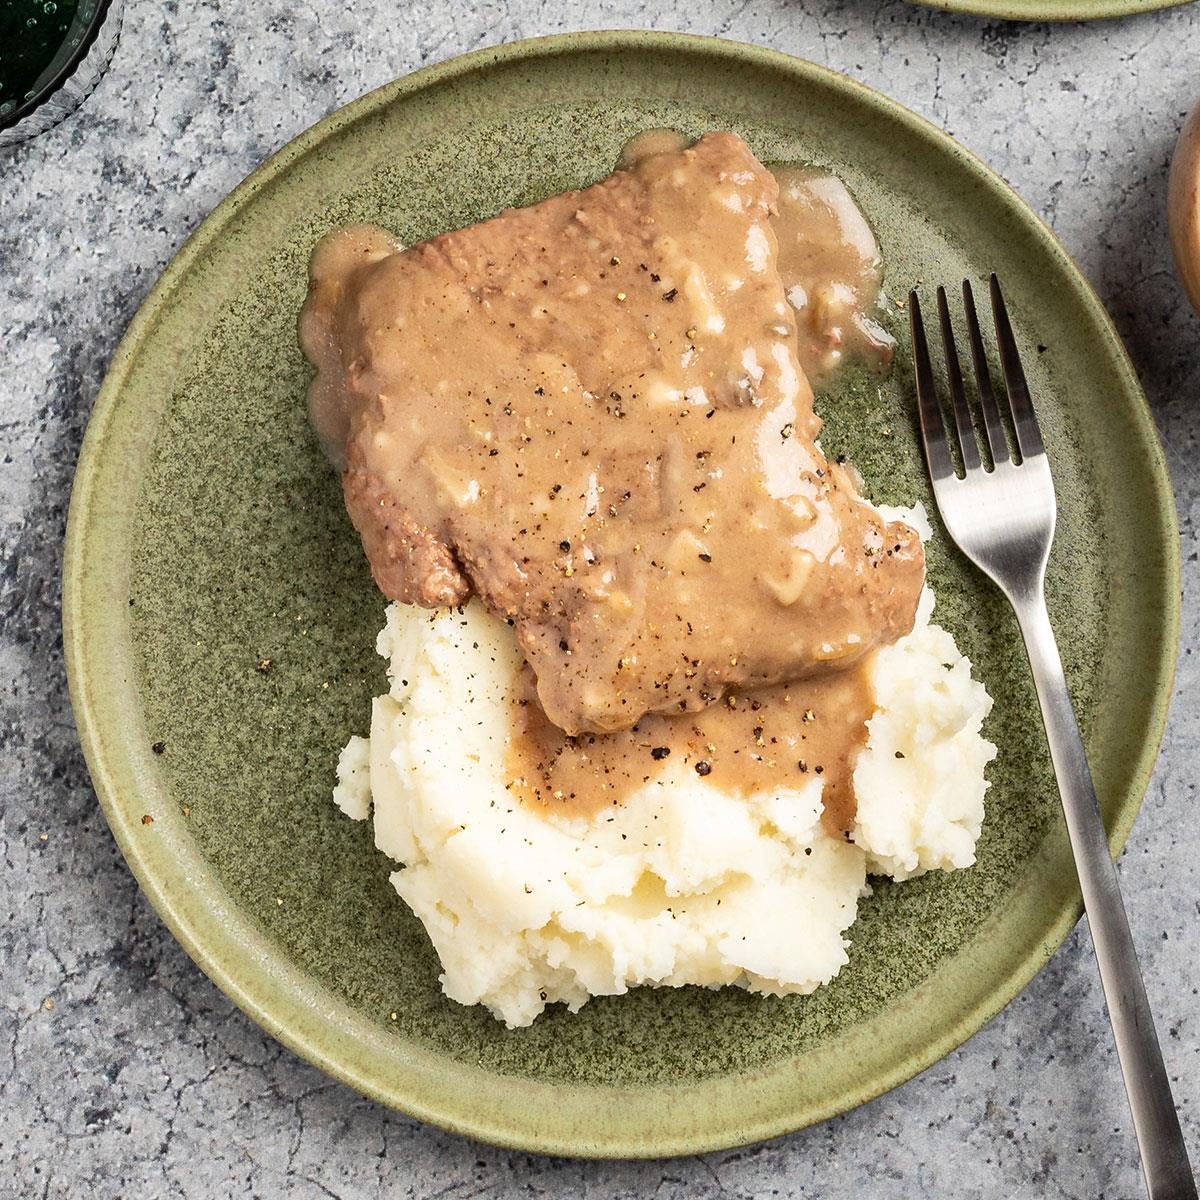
(71, 71)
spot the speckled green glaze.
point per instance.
(1051, 10)
(206, 534)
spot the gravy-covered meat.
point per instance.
(591, 412)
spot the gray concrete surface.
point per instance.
(123, 1072)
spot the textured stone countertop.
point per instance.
(123, 1071)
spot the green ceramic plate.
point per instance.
(1051, 10)
(206, 536)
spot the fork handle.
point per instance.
(1160, 1140)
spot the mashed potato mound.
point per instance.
(684, 883)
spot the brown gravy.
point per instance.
(591, 412)
(832, 271)
(769, 739)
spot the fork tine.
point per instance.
(962, 414)
(992, 426)
(1029, 436)
(933, 431)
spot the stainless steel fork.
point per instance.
(1003, 520)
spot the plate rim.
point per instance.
(140, 854)
(1048, 11)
